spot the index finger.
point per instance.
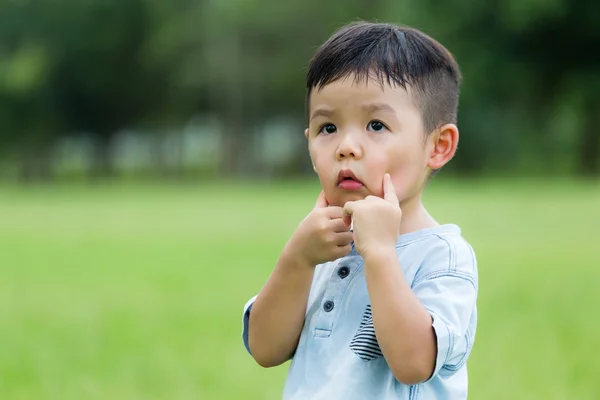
(348, 210)
(389, 192)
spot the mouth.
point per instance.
(348, 181)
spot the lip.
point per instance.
(346, 175)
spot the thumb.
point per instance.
(321, 201)
(389, 192)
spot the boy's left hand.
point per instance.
(376, 220)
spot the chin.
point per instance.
(340, 198)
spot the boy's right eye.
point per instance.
(328, 129)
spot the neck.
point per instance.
(414, 216)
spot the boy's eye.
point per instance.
(328, 129)
(376, 126)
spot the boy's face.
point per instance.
(358, 131)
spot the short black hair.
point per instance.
(394, 54)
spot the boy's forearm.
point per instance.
(277, 315)
(402, 324)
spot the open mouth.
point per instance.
(348, 181)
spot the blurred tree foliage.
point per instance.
(529, 100)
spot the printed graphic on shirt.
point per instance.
(364, 344)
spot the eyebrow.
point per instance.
(322, 112)
(374, 107)
(369, 108)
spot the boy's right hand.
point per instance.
(322, 236)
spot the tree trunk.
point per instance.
(231, 149)
(232, 111)
(159, 158)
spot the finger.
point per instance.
(343, 251)
(389, 192)
(321, 201)
(334, 212)
(338, 225)
(344, 238)
(348, 211)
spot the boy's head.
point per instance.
(380, 98)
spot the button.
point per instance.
(328, 306)
(343, 272)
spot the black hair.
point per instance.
(396, 55)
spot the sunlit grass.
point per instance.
(136, 292)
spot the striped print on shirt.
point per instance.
(364, 344)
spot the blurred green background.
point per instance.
(152, 166)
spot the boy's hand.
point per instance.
(322, 236)
(376, 220)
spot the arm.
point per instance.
(426, 327)
(429, 328)
(398, 313)
(277, 315)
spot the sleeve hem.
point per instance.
(444, 339)
(245, 322)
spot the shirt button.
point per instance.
(343, 272)
(328, 305)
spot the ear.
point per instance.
(306, 133)
(443, 146)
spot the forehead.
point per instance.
(349, 91)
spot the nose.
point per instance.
(349, 147)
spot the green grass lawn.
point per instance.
(136, 292)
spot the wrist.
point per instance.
(292, 259)
(381, 255)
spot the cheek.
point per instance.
(324, 171)
(406, 170)
(319, 157)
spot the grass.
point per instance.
(136, 291)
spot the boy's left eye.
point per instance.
(376, 126)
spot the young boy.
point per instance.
(387, 309)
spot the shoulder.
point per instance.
(439, 251)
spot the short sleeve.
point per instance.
(446, 284)
(245, 321)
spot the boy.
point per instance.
(387, 309)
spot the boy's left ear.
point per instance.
(443, 146)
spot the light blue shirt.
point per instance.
(338, 356)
